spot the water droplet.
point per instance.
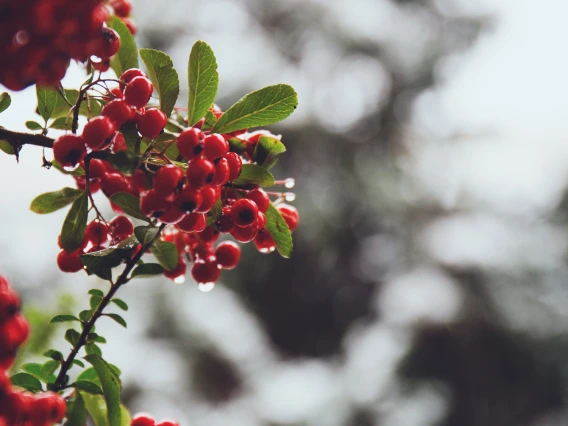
(289, 196)
(179, 280)
(70, 168)
(290, 182)
(21, 38)
(267, 249)
(205, 287)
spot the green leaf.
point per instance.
(166, 254)
(53, 201)
(101, 262)
(85, 315)
(95, 301)
(75, 224)
(89, 374)
(145, 234)
(7, 147)
(237, 145)
(96, 292)
(79, 363)
(94, 337)
(259, 108)
(33, 125)
(46, 101)
(86, 386)
(26, 381)
(117, 318)
(76, 411)
(120, 303)
(77, 172)
(72, 336)
(252, 173)
(210, 120)
(33, 368)
(93, 349)
(5, 101)
(278, 229)
(130, 133)
(48, 368)
(163, 76)
(217, 210)
(60, 123)
(96, 407)
(130, 204)
(90, 108)
(63, 318)
(53, 354)
(124, 161)
(267, 151)
(203, 81)
(111, 388)
(147, 270)
(127, 56)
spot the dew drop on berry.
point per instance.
(290, 182)
(205, 287)
(289, 196)
(71, 168)
(179, 279)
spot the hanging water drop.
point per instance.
(205, 287)
(289, 196)
(289, 183)
(179, 279)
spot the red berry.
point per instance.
(139, 181)
(235, 164)
(10, 304)
(190, 143)
(96, 168)
(290, 215)
(110, 42)
(168, 179)
(244, 212)
(151, 123)
(69, 262)
(128, 75)
(205, 270)
(48, 406)
(222, 172)
(225, 223)
(209, 234)
(138, 91)
(188, 200)
(131, 25)
(142, 419)
(178, 272)
(97, 131)
(122, 8)
(193, 222)
(69, 150)
(121, 227)
(113, 183)
(117, 92)
(119, 143)
(168, 423)
(244, 235)
(97, 233)
(215, 146)
(228, 254)
(264, 242)
(260, 221)
(260, 198)
(209, 197)
(119, 111)
(172, 215)
(200, 172)
(152, 204)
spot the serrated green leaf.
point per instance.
(203, 81)
(75, 224)
(163, 76)
(210, 120)
(166, 254)
(130, 204)
(63, 318)
(60, 123)
(110, 383)
(147, 270)
(33, 125)
(96, 407)
(46, 101)
(252, 173)
(76, 411)
(87, 386)
(145, 234)
(26, 381)
(5, 101)
(279, 231)
(259, 108)
(96, 292)
(53, 354)
(267, 151)
(127, 56)
(120, 303)
(117, 318)
(53, 201)
(72, 336)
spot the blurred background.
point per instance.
(428, 285)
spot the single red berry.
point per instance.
(142, 419)
(244, 212)
(151, 123)
(215, 146)
(122, 8)
(200, 172)
(235, 164)
(110, 43)
(209, 196)
(222, 172)
(244, 235)
(190, 143)
(209, 234)
(168, 423)
(290, 215)
(168, 179)
(119, 111)
(205, 270)
(260, 198)
(48, 406)
(264, 242)
(69, 262)
(225, 223)
(96, 168)
(117, 92)
(260, 221)
(10, 304)
(128, 75)
(131, 25)
(113, 183)
(97, 131)
(172, 215)
(119, 143)
(178, 272)
(193, 222)
(121, 227)
(139, 181)
(69, 150)
(188, 200)
(97, 233)
(152, 204)
(138, 91)
(228, 254)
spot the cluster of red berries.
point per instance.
(38, 38)
(19, 408)
(144, 419)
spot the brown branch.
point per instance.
(18, 139)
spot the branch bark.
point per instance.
(18, 139)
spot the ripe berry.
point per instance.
(69, 262)
(121, 227)
(69, 150)
(168, 179)
(225, 223)
(119, 143)
(110, 42)
(290, 215)
(194, 222)
(228, 254)
(122, 8)
(260, 221)
(118, 111)
(142, 419)
(264, 242)
(9, 304)
(209, 196)
(152, 204)
(117, 92)
(97, 233)
(235, 164)
(172, 215)
(205, 270)
(260, 198)
(96, 168)
(97, 131)
(151, 123)
(48, 406)
(200, 172)
(244, 235)
(168, 423)
(222, 172)
(15, 331)
(138, 91)
(244, 212)
(190, 143)
(128, 75)
(188, 200)
(113, 183)
(209, 234)
(178, 272)
(131, 25)
(215, 146)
